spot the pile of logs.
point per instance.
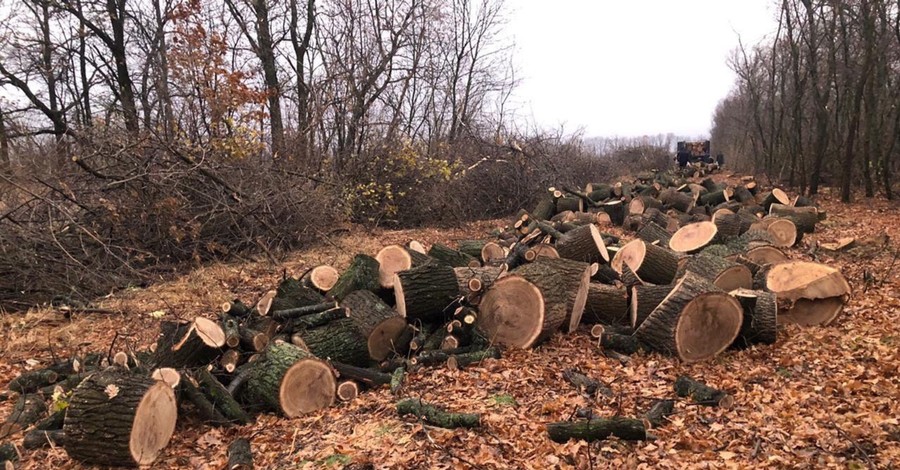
(705, 271)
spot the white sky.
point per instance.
(630, 67)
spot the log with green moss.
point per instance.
(471, 247)
(290, 380)
(463, 360)
(397, 380)
(436, 416)
(220, 397)
(702, 394)
(362, 274)
(628, 429)
(340, 340)
(291, 294)
(426, 292)
(240, 456)
(314, 320)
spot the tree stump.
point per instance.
(290, 380)
(696, 321)
(380, 324)
(119, 419)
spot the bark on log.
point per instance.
(320, 278)
(652, 233)
(583, 244)
(32, 381)
(728, 224)
(628, 429)
(380, 324)
(702, 394)
(659, 413)
(474, 282)
(463, 360)
(220, 397)
(240, 456)
(569, 203)
(362, 274)
(805, 218)
(37, 439)
(582, 382)
(292, 294)
(341, 340)
(8, 454)
(455, 259)
(471, 247)
(119, 419)
(562, 283)
(290, 380)
(724, 274)
(696, 321)
(760, 317)
(649, 262)
(645, 299)
(230, 327)
(625, 344)
(437, 417)
(28, 410)
(775, 196)
(370, 377)
(425, 292)
(291, 313)
(397, 380)
(314, 320)
(513, 313)
(616, 211)
(606, 304)
(188, 345)
(236, 309)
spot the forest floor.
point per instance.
(822, 397)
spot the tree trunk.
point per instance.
(379, 323)
(362, 274)
(425, 292)
(290, 380)
(119, 419)
(606, 304)
(563, 283)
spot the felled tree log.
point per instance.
(629, 278)
(513, 313)
(230, 327)
(649, 262)
(805, 218)
(252, 340)
(701, 393)
(561, 282)
(290, 380)
(569, 203)
(616, 211)
(783, 232)
(320, 278)
(341, 340)
(606, 304)
(679, 201)
(28, 410)
(760, 317)
(369, 377)
(190, 391)
(220, 397)
(454, 258)
(625, 344)
(775, 196)
(724, 274)
(119, 419)
(380, 324)
(437, 417)
(291, 294)
(492, 254)
(694, 322)
(474, 282)
(188, 345)
(652, 233)
(38, 438)
(290, 313)
(425, 292)
(728, 224)
(659, 413)
(314, 320)
(628, 429)
(640, 204)
(362, 274)
(168, 375)
(235, 309)
(541, 251)
(32, 381)
(240, 457)
(693, 237)
(583, 244)
(815, 291)
(582, 382)
(463, 360)
(605, 274)
(397, 380)
(471, 247)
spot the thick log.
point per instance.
(454, 258)
(189, 344)
(380, 324)
(702, 394)
(775, 196)
(545, 208)
(541, 250)
(474, 282)
(649, 262)
(190, 391)
(606, 304)
(640, 204)
(724, 274)
(693, 237)
(570, 203)
(652, 233)
(369, 377)
(728, 224)
(815, 291)
(291, 294)
(743, 195)
(563, 283)
(616, 211)
(362, 274)
(583, 244)
(436, 416)
(314, 320)
(290, 380)
(760, 317)
(605, 274)
(493, 254)
(679, 201)
(628, 429)
(119, 419)
(341, 340)
(240, 456)
(645, 299)
(805, 218)
(659, 413)
(425, 292)
(471, 247)
(694, 322)
(513, 313)
(321, 278)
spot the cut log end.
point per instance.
(154, 423)
(307, 386)
(735, 277)
(381, 340)
(693, 237)
(347, 390)
(392, 259)
(417, 247)
(598, 240)
(167, 375)
(707, 326)
(323, 277)
(580, 301)
(265, 303)
(512, 312)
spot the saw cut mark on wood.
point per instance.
(391, 260)
(693, 237)
(806, 280)
(512, 312)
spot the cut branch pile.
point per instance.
(704, 272)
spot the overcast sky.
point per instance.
(630, 68)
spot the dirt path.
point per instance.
(821, 397)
